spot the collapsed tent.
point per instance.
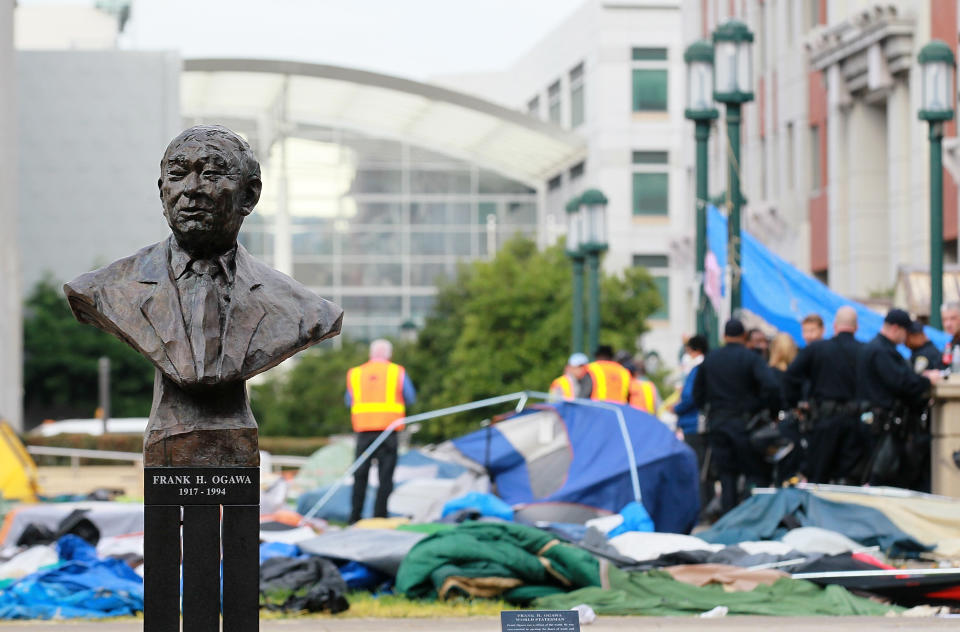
(770, 516)
(782, 295)
(567, 462)
(659, 593)
(18, 472)
(110, 518)
(424, 480)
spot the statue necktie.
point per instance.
(205, 319)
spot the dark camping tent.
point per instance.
(567, 462)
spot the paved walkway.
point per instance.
(492, 624)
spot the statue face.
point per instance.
(203, 196)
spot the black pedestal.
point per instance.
(197, 518)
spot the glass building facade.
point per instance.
(373, 224)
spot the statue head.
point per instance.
(209, 182)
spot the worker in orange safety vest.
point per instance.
(571, 384)
(610, 381)
(378, 393)
(642, 393)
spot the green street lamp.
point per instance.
(700, 109)
(733, 86)
(937, 68)
(593, 208)
(575, 231)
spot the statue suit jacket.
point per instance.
(270, 318)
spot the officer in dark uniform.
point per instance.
(888, 388)
(825, 374)
(924, 355)
(732, 385)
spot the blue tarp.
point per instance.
(761, 517)
(599, 474)
(80, 587)
(782, 295)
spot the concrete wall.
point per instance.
(11, 375)
(93, 127)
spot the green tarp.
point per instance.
(482, 559)
(657, 593)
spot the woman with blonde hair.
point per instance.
(782, 351)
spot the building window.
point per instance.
(576, 170)
(649, 79)
(649, 90)
(533, 106)
(649, 54)
(659, 268)
(554, 183)
(576, 96)
(814, 8)
(553, 102)
(791, 172)
(651, 183)
(815, 182)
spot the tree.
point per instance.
(307, 399)
(60, 362)
(499, 326)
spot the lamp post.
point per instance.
(593, 208)
(937, 67)
(733, 86)
(700, 110)
(575, 252)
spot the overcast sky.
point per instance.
(411, 38)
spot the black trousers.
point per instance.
(386, 456)
(733, 457)
(698, 441)
(836, 445)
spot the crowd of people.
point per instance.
(836, 411)
(756, 411)
(761, 411)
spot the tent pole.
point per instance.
(443, 412)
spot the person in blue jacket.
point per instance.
(686, 409)
(688, 417)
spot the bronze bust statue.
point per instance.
(205, 312)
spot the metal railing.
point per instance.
(75, 454)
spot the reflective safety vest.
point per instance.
(377, 392)
(562, 386)
(643, 395)
(611, 382)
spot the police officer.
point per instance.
(924, 355)
(732, 385)
(887, 388)
(825, 371)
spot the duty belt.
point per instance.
(835, 407)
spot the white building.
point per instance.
(11, 363)
(613, 73)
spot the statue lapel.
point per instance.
(244, 315)
(161, 308)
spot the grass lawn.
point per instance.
(364, 605)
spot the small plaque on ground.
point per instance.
(201, 485)
(540, 621)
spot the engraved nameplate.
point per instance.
(201, 485)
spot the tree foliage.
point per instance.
(499, 326)
(60, 361)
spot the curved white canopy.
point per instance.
(295, 95)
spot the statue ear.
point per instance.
(251, 194)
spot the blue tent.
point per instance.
(571, 455)
(782, 295)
